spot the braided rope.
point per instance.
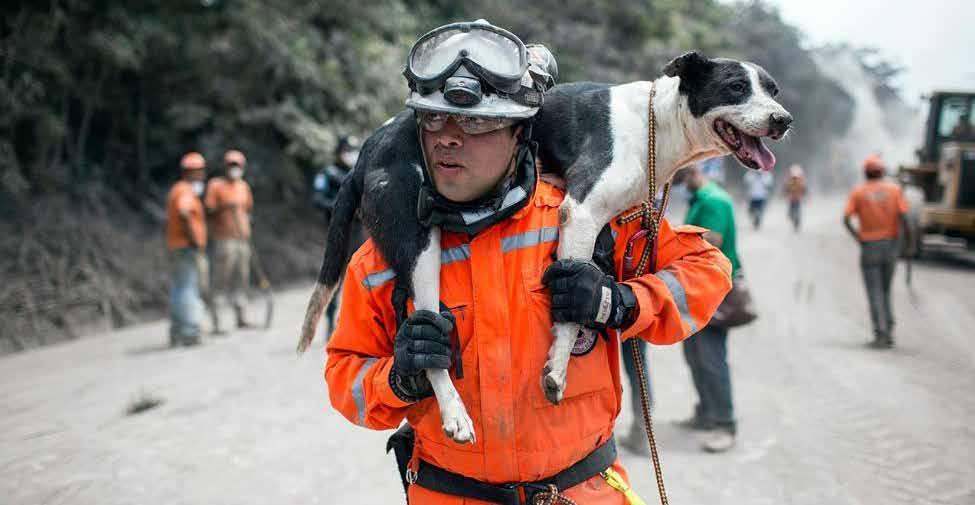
(650, 220)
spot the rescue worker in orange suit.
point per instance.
(497, 285)
(795, 191)
(881, 211)
(229, 205)
(186, 239)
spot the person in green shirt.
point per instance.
(706, 351)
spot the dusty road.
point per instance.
(822, 418)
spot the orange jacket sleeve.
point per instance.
(691, 280)
(360, 357)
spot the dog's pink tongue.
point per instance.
(757, 151)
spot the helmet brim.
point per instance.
(491, 105)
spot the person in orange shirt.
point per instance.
(229, 203)
(498, 281)
(186, 239)
(795, 191)
(881, 210)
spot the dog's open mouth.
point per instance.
(749, 150)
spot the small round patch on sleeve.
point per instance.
(585, 341)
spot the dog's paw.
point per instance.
(553, 383)
(457, 425)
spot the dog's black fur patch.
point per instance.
(710, 83)
(386, 184)
(573, 134)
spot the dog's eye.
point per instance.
(737, 87)
(775, 92)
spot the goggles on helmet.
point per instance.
(493, 54)
(471, 125)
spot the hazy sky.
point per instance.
(933, 39)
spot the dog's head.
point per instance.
(734, 102)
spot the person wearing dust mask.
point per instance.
(229, 204)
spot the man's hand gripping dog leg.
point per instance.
(457, 423)
(578, 229)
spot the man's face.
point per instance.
(465, 167)
(695, 179)
(194, 175)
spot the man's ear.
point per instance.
(687, 66)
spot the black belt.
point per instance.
(437, 479)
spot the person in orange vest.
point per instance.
(498, 281)
(795, 191)
(186, 239)
(229, 204)
(881, 211)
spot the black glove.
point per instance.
(582, 293)
(422, 341)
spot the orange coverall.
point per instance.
(182, 200)
(492, 284)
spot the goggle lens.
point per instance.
(492, 51)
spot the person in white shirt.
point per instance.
(759, 185)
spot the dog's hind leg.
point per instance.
(578, 228)
(426, 296)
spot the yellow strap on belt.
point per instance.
(616, 482)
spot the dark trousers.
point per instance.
(877, 261)
(630, 367)
(706, 353)
(756, 207)
(795, 213)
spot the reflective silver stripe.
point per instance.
(530, 238)
(512, 197)
(378, 279)
(358, 394)
(680, 297)
(459, 253)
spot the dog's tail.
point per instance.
(337, 252)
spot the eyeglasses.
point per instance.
(471, 125)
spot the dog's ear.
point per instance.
(687, 65)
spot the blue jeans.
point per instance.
(630, 367)
(185, 304)
(706, 353)
(878, 259)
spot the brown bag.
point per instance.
(737, 308)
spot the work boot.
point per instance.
(718, 440)
(241, 320)
(881, 340)
(636, 440)
(190, 340)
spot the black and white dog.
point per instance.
(595, 137)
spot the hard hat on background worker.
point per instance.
(874, 165)
(192, 161)
(234, 157)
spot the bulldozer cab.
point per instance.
(945, 172)
(950, 118)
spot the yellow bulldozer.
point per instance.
(943, 181)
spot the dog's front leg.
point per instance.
(578, 228)
(426, 296)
